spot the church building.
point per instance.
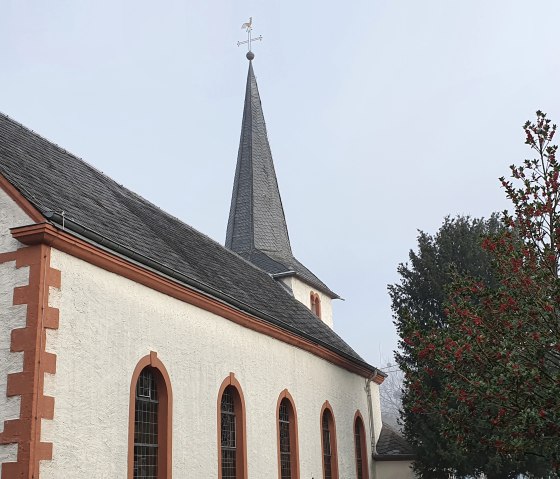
(133, 346)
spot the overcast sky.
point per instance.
(383, 115)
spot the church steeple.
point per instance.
(256, 217)
(257, 227)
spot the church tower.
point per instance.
(257, 228)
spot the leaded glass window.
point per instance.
(327, 451)
(228, 435)
(285, 450)
(146, 427)
(358, 443)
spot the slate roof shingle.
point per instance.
(257, 228)
(54, 180)
(391, 444)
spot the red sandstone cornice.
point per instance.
(45, 233)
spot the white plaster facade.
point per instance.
(11, 216)
(11, 317)
(394, 470)
(108, 323)
(302, 292)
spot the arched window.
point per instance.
(232, 445)
(146, 426)
(328, 443)
(315, 304)
(361, 449)
(149, 440)
(288, 449)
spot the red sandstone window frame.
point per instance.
(240, 426)
(165, 415)
(294, 442)
(359, 423)
(327, 409)
(315, 300)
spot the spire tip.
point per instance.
(250, 55)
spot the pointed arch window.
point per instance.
(232, 457)
(315, 301)
(146, 442)
(360, 447)
(288, 448)
(229, 435)
(149, 440)
(328, 443)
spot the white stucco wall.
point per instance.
(302, 292)
(11, 317)
(107, 323)
(394, 470)
(376, 406)
(11, 215)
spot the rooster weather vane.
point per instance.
(248, 27)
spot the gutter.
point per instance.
(91, 236)
(284, 274)
(370, 413)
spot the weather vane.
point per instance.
(248, 26)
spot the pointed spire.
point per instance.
(257, 227)
(256, 218)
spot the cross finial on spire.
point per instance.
(248, 26)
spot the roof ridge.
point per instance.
(79, 158)
(97, 170)
(56, 145)
(121, 186)
(87, 163)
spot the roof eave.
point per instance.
(41, 232)
(287, 274)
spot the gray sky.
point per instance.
(383, 115)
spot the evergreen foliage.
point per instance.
(418, 307)
(482, 360)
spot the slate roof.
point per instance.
(54, 180)
(391, 445)
(257, 227)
